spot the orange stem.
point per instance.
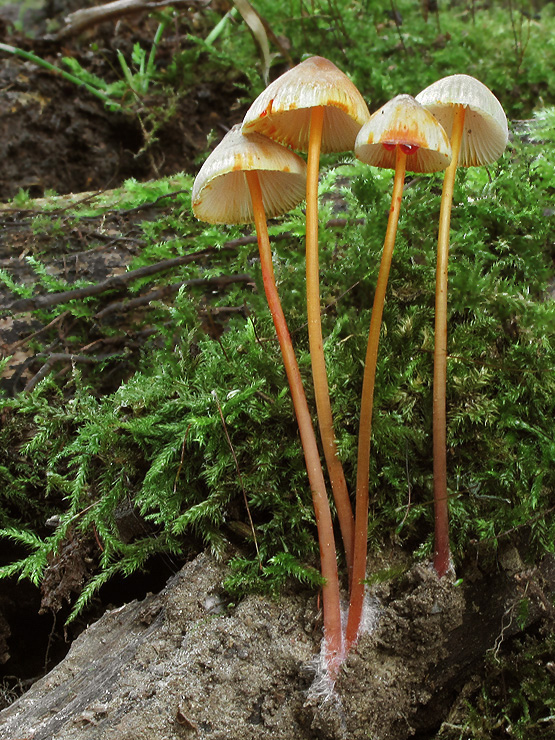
(442, 553)
(316, 344)
(330, 591)
(367, 402)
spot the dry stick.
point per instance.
(216, 282)
(55, 357)
(112, 283)
(365, 423)
(316, 344)
(80, 20)
(442, 554)
(330, 590)
(10, 349)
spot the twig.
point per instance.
(228, 438)
(116, 282)
(397, 21)
(527, 523)
(55, 357)
(84, 18)
(182, 459)
(155, 295)
(11, 348)
(409, 487)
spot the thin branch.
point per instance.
(155, 295)
(55, 357)
(11, 348)
(84, 18)
(116, 282)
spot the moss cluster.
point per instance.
(159, 446)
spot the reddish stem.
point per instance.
(316, 344)
(330, 591)
(442, 553)
(367, 401)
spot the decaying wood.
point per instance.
(84, 18)
(179, 660)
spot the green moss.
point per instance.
(156, 443)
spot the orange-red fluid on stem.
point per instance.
(405, 148)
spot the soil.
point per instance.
(57, 136)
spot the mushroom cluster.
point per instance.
(253, 174)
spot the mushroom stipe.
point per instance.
(402, 135)
(234, 172)
(312, 107)
(476, 121)
(328, 560)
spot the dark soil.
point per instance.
(57, 136)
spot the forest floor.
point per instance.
(183, 663)
(56, 136)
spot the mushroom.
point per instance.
(246, 178)
(401, 135)
(477, 125)
(315, 107)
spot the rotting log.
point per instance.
(180, 664)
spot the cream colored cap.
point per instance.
(404, 122)
(485, 133)
(282, 110)
(220, 192)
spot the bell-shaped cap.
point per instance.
(220, 192)
(404, 122)
(282, 111)
(485, 133)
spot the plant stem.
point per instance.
(316, 344)
(366, 406)
(442, 555)
(15, 51)
(219, 27)
(153, 51)
(330, 592)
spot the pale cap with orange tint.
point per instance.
(220, 192)
(404, 122)
(485, 133)
(283, 110)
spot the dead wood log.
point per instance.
(178, 664)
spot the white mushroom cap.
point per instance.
(403, 121)
(485, 126)
(220, 192)
(282, 110)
